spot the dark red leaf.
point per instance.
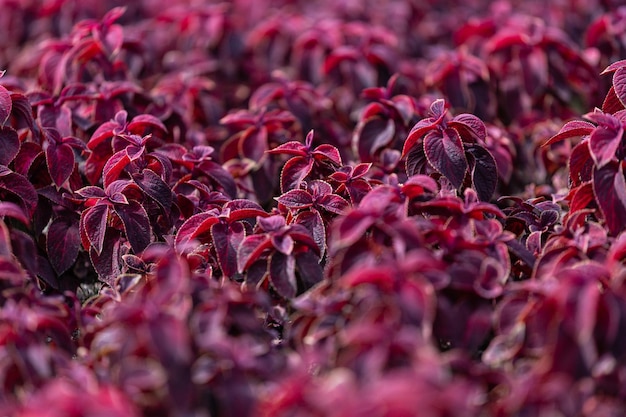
(470, 127)
(222, 177)
(603, 144)
(6, 105)
(283, 274)
(95, 224)
(372, 135)
(283, 243)
(107, 263)
(417, 185)
(192, 228)
(144, 124)
(611, 103)
(484, 172)
(250, 250)
(136, 224)
(580, 164)
(444, 151)
(63, 243)
(226, 239)
(315, 225)
(326, 152)
(294, 172)
(60, 160)
(309, 268)
(619, 82)
(9, 144)
(293, 147)
(296, 199)
(114, 167)
(272, 223)
(333, 203)
(154, 186)
(571, 129)
(20, 187)
(609, 188)
(253, 144)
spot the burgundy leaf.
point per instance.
(570, 130)
(580, 164)
(294, 172)
(293, 147)
(357, 190)
(226, 239)
(372, 135)
(9, 144)
(144, 124)
(63, 243)
(218, 174)
(612, 103)
(60, 160)
(283, 243)
(95, 225)
(352, 227)
(253, 144)
(619, 83)
(580, 197)
(416, 161)
(609, 188)
(315, 225)
(250, 250)
(296, 199)
(256, 273)
(136, 224)
(272, 223)
(417, 185)
(107, 263)
(14, 211)
(333, 203)
(603, 144)
(244, 209)
(6, 105)
(327, 152)
(309, 268)
(469, 127)
(445, 153)
(114, 167)
(360, 170)
(20, 187)
(283, 274)
(154, 186)
(484, 172)
(192, 228)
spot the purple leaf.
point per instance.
(609, 188)
(95, 223)
(63, 243)
(571, 129)
(315, 225)
(222, 177)
(272, 223)
(619, 83)
(326, 152)
(136, 224)
(20, 187)
(293, 147)
(603, 144)
(484, 172)
(154, 186)
(60, 160)
(294, 171)
(580, 164)
(193, 227)
(296, 199)
(253, 144)
(416, 161)
(107, 263)
(6, 105)
(445, 153)
(333, 203)
(309, 268)
(250, 250)
(9, 144)
(226, 239)
(283, 243)
(469, 127)
(114, 167)
(372, 135)
(283, 274)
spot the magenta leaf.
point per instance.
(154, 186)
(444, 151)
(9, 144)
(136, 224)
(282, 270)
(95, 224)
(609, 188)
(296, 199)
(6, 105)
(294, 171)
(484, 172)
(603, 144)
(251, 250)
(60, 160)
(63, 243)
